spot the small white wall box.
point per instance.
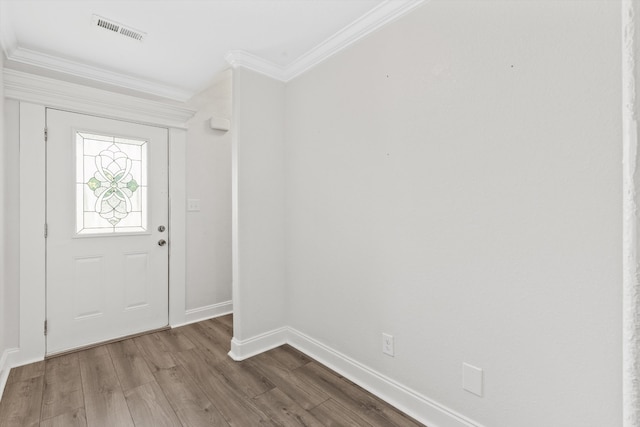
(220, 123)
(472, 379)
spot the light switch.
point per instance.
(193, 205)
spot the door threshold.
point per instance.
(98, 344)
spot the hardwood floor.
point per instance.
(183, 377)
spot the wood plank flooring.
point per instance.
(183, 377)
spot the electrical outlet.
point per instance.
(472, 379)
(387, 344)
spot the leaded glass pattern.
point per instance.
(111, 184)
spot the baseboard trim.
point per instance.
(6, 363)
(244, 349)
(414, 404)
(207, 312)
(407, 400)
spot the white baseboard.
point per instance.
(244, 349)
(207, 312)
(409, 401)
(6, 363)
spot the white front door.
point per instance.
(107, 218)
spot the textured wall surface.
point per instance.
(631, 183)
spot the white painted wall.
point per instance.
(455, 180)
(3, 184)
(9, 230)
(258, 204)
(11, 175)
(9, 224)
(631, 215)
(208, 287)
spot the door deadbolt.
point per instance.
(161, 228)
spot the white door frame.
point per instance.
(35, 94)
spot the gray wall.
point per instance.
(209, 181)
(258, 204)
(455, 180)
(3, 184)
(11, 176)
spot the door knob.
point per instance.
(162, 242)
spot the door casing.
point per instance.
(32, 211)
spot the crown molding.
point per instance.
(378, 17)
(241, 58)
(60, 94)
(375, 19)
(74, 68)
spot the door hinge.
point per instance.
(45, 327)
(46, 134)
(46, 230)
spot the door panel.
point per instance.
(107, 194)
(136, 280)
(88, 288)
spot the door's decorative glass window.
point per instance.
(111, 184)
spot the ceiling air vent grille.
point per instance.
(115, 27)
(108, 25)
(130, 33)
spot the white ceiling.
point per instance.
(188, 42)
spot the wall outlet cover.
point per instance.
(387, 344)
(472, 379)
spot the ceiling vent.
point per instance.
(117, 28)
